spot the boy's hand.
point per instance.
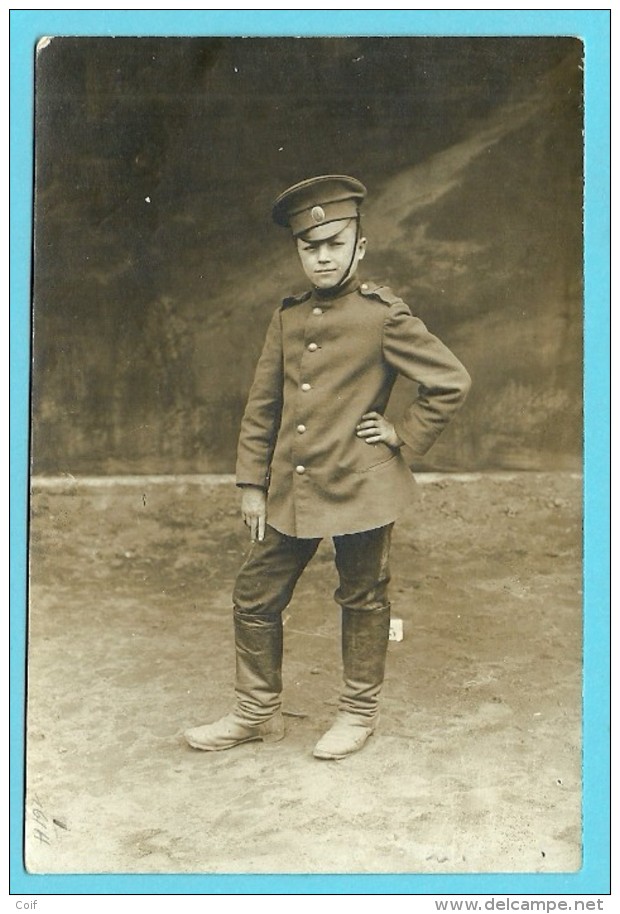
(254, 511)
(374, 428)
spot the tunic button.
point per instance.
(300, 469)
(301, 429)
(312, 347)
(306, 386)
(364, 285)
(317, 311)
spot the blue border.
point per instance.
(593, 27)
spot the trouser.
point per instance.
(264, 588)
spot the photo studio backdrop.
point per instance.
(157, 268)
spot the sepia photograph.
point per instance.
(305, 559)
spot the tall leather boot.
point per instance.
(258, 684)
(365, 636)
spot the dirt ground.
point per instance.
(476, 764)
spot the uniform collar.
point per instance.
(330, 294)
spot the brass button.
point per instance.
(317, 311)
(306, 386)
(300, 469)
(301, 429)
(364, 286)
(312, 347)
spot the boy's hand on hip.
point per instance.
(254, 511)
(374, 428)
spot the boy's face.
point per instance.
(326, 262)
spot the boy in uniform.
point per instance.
(318, 458)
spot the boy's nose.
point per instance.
(323, 253)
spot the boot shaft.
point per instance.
(258, 663)
(365, 637)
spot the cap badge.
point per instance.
(318, 214)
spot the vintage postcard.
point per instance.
(417, 307)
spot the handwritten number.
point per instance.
(41, 836)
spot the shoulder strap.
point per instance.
(291, 300)
(383, 293)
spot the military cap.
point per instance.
(318, 202)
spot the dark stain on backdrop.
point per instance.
(156, 266)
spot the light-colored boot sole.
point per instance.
(340, 744)
(227, 733)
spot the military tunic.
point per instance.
(327, 360)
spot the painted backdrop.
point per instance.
(156, 265)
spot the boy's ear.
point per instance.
(361, 247)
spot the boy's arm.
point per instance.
(261, 420)
(443, 382)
